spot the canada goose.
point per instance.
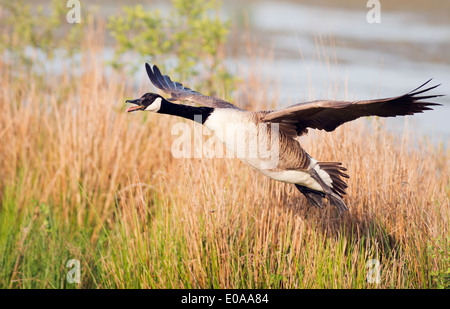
(316, 180)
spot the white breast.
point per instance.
(243, 137)
(246, 139)
(226, 122)
(233, 128)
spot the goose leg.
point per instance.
(315, 198)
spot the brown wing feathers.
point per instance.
(181, 93)
(328, 115)
(164, 83)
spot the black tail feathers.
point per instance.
(334, 192)
(338, 202)
(315, 198)
(336, 172)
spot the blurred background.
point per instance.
(307, 49)
(367, 60)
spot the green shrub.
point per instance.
(439, 250)
(24, 26)
(188, 40)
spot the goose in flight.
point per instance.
(291, 164)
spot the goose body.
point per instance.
(239, 131)
(268, 141)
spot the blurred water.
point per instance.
(366, 60)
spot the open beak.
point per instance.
(138, 106)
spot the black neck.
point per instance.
(197, 114)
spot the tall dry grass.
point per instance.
(116, 199)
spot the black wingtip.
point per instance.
(156, 71)
(148, 68)
(154, 75)
(419, 89)
(421, 85)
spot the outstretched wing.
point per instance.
(328, 115)
(181, 93)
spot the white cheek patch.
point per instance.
(155, 106)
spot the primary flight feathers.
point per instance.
(181, 93)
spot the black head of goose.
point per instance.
(153, 102)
